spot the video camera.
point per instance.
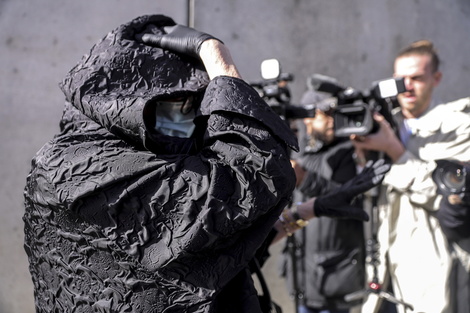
(354, 111)
(275, 91)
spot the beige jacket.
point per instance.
(411, 241)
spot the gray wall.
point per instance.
(350, 40)
(354, 41)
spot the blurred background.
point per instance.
(354, 41)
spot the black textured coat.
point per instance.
(122, 219)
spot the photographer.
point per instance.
(414, 250)
(329, 253)
(166, 178)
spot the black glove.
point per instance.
(338, 203)
(178, 38)
(454, 219)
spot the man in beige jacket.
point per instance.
(413, 248)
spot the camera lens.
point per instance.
(450, 177)
(454, 178)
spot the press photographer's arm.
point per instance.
(384, 140)
(336, 204)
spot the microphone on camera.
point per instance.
(325, 84)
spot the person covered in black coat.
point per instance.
(166, 178)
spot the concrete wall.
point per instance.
(350, 40)
(354, 41)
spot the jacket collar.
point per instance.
(428, 122)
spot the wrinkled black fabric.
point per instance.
(122, 219)
(121, 74)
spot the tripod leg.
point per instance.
(361, 294)
(297, 294)
(390, 298)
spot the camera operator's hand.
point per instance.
(454, 216)
(338, 203)
(383, 140)
(459, 199)
(179, 39)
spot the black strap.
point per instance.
(266, 303)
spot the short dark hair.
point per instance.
(422, 47)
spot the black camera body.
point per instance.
(354, 111)
(274, 89)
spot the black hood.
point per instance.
(118, 82)
(121, 74)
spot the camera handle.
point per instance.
(372, 248)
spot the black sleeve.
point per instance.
(454, 219)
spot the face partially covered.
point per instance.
(420, 81)
(174, 117)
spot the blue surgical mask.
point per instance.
(171, 120)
